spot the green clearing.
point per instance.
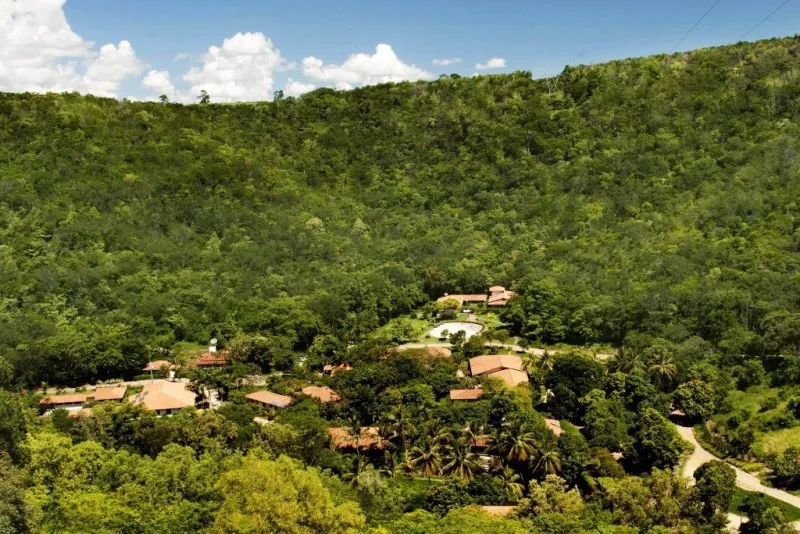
(792, 513)
(779, 440)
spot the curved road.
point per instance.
(744, 479)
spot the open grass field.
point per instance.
(779, 440)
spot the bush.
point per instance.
(770, 403)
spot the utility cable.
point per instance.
(765, 19)
(696, 24)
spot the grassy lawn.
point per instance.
(791, 513)
(752, 402)
(779, 440)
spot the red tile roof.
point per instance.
(465, 394)
(494, 362)
(163, 395)
(511, 377)
(268, 397)
(210, 359)
(157, 365)
(333, 369)
(109, 394)
(323, 394)
(554, 425)
(73, 398)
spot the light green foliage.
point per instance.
(280, 496)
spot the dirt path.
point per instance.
(744, 479)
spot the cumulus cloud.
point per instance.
(240, 70)
(39, 52)
(447, 61)
(295, 88)
(364, 69)
(159, 81)
(494, 63)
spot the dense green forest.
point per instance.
(647, 205)
(655, 195)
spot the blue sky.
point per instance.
(540, 36)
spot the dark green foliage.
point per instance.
(655, 444)
(695, 399)
(12, 428)
(716, 482)
(483, 490)
(573, 376)
(14, 511)
(763, 516)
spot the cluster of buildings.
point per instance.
(496, 296)
(506, 367)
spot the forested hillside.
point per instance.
(655, 195)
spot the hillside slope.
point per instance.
(655, 194)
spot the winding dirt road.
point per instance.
(744, 479)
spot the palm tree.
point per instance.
(355, 430)
(461, 461)
(626, 361)
(510, 480)
(516, 442)
(427, 460)
(663, 369)
(400, 423)
(393, 463)
(352, 477)
(546, 461)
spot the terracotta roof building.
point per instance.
(506, 367)
(511, 377)
(323, 394)
(212, 359)
(338, 368)
(554, 425)
(499, 296)
(158, 365)
(164, 398)
(490, 363)
(268, 398)
(466, 394)
(496, 296)
(108, 394)
(73, 401)
(342, 439)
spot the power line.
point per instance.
(765, 19)
(696, 24)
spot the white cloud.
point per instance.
(160, 82)
(240, 70)
(343, 86)
(494, 63)
(181, 56)
(364, 69)
(447, 61)
(295, 88)
(39, 52)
